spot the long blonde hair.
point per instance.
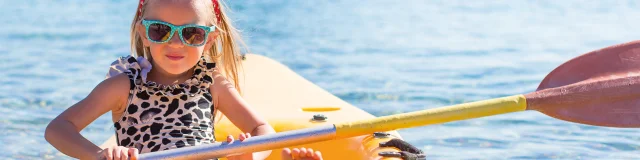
(225, 50)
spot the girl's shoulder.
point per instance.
(219, 81)
(111, 93)
(116, 85)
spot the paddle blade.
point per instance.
(598, 88)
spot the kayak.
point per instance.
(290, 102)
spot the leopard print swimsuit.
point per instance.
(162, 117)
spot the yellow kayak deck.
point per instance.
(289, 102)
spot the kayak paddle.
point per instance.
(600, 88)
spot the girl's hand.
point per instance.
(118, 153)
(246, 156)
(300, 154)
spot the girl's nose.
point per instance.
(175, 40)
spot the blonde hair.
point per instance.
(226, 49)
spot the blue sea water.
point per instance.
(385, 57)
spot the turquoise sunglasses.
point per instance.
(190, 34)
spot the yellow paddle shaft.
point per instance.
(343, 130)
(433, 116)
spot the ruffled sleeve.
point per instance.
(136, 68)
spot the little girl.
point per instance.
(181, 74)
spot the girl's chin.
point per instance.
(175, 69)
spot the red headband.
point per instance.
(216, 8)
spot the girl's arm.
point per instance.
(239, 112)
(64, 131)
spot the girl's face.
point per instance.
(174, 57)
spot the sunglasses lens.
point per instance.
(193, 35)
(159, 32)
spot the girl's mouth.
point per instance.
(175, 57)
